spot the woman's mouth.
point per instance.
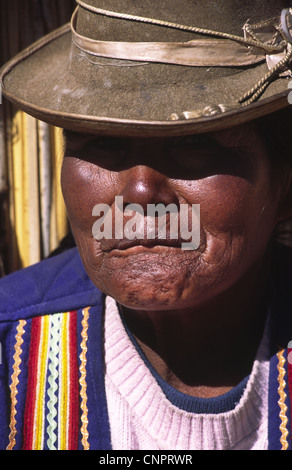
(125, 244)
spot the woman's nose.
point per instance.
(144, 185)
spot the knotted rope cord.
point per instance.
(262, 84)
(256, 90)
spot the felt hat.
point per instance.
(157, 68)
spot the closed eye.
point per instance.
(206, 155)
(196, 152)
(102, 150)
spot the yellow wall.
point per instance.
(32, 213)
(37, 212)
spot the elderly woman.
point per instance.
(145, 339)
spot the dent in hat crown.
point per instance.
(228, 16)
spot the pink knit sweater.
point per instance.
(142, 418)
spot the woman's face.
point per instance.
(227, 173)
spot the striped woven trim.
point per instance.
(68, 414)
(83, 393)
(52, 405)
(282, 400)
(14, 382)
(289, 366)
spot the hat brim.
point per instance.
(42, 82)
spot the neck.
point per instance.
(205, 350)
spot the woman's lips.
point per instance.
(111, 244)
(124, 244)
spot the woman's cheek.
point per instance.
(84, 186)
(224, 203)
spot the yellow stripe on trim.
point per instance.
(83, 392)
(281, 402)
(38, 438)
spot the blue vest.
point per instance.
(52, 392)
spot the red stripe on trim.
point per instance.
(73, 430)
(28, 429)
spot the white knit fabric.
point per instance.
(142, 418)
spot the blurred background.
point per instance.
(33, 221)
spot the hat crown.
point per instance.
(227, 16)
(97, 76)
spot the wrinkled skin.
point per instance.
(176, 300)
